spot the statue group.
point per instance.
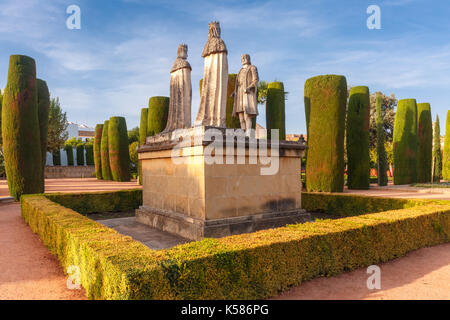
(213, 100)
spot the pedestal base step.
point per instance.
(197, 229)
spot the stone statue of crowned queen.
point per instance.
(213, 100)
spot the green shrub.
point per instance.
(381, 139)
(69, 152)
(437, 160)
(80, 154)
(56, 158)
(424, 141)
(106, 170)
(89, 147)
(230, 121)
(20, 128)
(275, 109)
(98, 151)
(405, 142)
(446, 155)
(143, 126)
(325, 108)
(247, 266)
(119, 156)
(158, 111)
(43, 96)
(99, 202)
(358, 117)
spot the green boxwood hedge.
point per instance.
(92, 202)
(247, 266)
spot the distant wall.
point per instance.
(55, 172)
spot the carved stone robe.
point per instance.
(246, 102)
(179, 116)
(213, 101)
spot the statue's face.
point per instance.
(245, 59)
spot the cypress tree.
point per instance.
(425, 142)
(158, 110)
(89, 147)
(56, 158)
(405, 142)
(358, 117)
(142, 137)
(381, 139)
(437, 161)
(69, 152)
(119, 155)
(325, 108)
(230, 121)
(43, 113)
(143, 126)
(97, 151)
(106, 170)
(80, 154)
(275, 109)
(446, 156)
(20, 128)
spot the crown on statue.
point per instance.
(182, 50)
(214, 29)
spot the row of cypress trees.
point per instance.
(25, 109)
(328, 119)
(80, 148)
(111, 154)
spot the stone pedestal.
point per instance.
(194, 198)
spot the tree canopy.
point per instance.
(57, 125)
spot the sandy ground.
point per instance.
(27, 269)
(423, 274)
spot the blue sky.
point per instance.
(125, 48)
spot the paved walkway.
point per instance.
(76, 185)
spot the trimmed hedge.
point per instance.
(69, 152)
(425, 142)
(98, 151)
(43, 102)
(231, 122)
(247, 266)
(382, 164)
(358, 117)
(119, 155)
(352, 205)
(56, 158)
(143, 126)
(158, 111)
(275, 109)
(89, 147)
(325, 109)
(446, 154)
(106, 170)
(20, 128)
(80, 154)
(103, 201)
(405, 142)
(437, 156)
